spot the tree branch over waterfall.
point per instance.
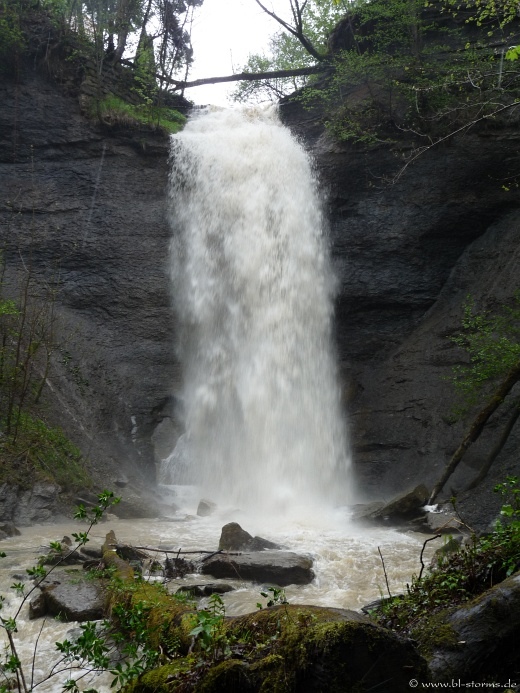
(245, 77)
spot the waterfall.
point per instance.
(253, 290)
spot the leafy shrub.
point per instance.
(462, 575)
(12, 40)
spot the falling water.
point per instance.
(253, 291)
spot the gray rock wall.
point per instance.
(407, 254)
(87, 205)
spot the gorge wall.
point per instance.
(88, 206)
(90, 202)
(407, 254)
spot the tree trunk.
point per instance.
(245, 76)
(477, 427)
(497, 449)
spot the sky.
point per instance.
(224, 33)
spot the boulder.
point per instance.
(206, 590)
(479, 639)
(273, 567)
(92, 551)
(234, 538)
(7, 529)
(71, 599)
(403, 507)
(305, 649)
(37, 605)
(206, 507)
(364, 511)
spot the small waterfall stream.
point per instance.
(253, 291)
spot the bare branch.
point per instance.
(422, 552)
(297, 30)
(462, 128)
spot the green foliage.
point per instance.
(491, 339)
(118, 112)
(276, 598)
(493, 15)
(210, 631)
(397, 78)
(12, 39)
(461, 575)
(41, 452)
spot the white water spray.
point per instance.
(253, 292)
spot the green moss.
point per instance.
(278, 650)
(115, 111)
(434, 633)
(164, 679)
(168, 620)
(230, 676)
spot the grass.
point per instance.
(41, 453)
(117, 111)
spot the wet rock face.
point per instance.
(30, 505)
(406, 255)
(88, 206)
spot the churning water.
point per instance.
(253, 291)
(349, 574)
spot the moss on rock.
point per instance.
(292, 648)
(168, 620)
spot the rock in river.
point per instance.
(276, 567)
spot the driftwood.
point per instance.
(178, 552)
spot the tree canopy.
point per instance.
(121, 30)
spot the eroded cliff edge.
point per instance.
(92, 202)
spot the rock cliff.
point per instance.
(409, 245)
(87, 206)
(90, 204)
